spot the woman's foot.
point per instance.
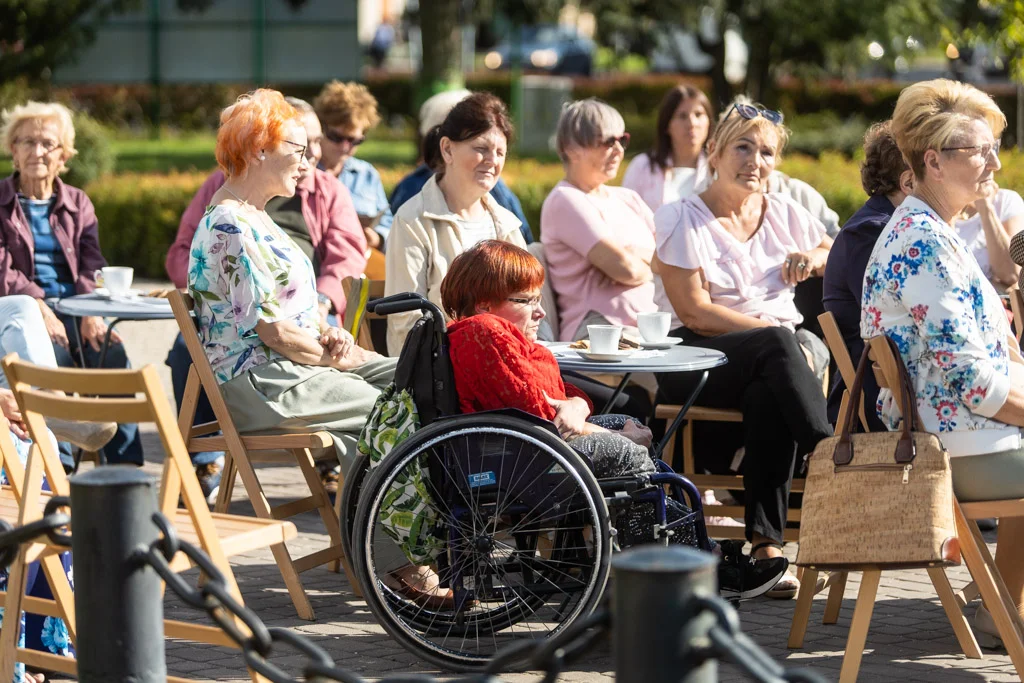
(422, 586)
(89, 436)
(788, 586)
(741, 577)
(985, 630)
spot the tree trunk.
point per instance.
(721, 89)
(442, 47)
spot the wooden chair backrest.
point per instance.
(1017, 306)
(847, 370)
(885, 367)
(359, 291)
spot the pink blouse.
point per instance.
(572, 223)
(744, 276)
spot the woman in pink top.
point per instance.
(729, 260)
(598, 240)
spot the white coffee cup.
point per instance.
(654, 327)
(117, 279)
(604, 338)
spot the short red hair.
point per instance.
(488, 273)
(255, 122)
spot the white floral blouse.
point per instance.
(242, 270)
(924, 289)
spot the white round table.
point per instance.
(118, 308)
(677, 358)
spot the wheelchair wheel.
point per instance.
(354, 481)
(522, 531)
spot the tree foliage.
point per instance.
(38, 35)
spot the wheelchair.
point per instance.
(525, 530)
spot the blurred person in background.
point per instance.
(50, 248)
(728, 262)
(319, 217)
(347, 111)
(433, 113)
(987, 226)
(455, 209)
(887, 180)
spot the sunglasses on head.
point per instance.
(622, 140)
(338, 138)
(750, 111)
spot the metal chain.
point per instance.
(724, 639)
(11, 537)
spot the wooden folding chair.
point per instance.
(836, 580)
(238, 459)
(360, 291)
(18, 506)
(1017, 307)
(131, 396)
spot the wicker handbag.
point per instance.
(881, 499)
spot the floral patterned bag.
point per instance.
(405, 515)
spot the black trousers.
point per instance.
(767, 378)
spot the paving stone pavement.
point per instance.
(910, 638)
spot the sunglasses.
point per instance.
(338, 138)
(610, 142)
(750, 111)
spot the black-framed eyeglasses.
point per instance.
(338, 138)
(29, 144)
(302, 148)
(533, 301)
(750, 111)
(622, 140)
(985, 149)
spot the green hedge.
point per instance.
(139, 213)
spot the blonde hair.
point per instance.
(584, 123)
(731, 126)
(346, 104)
(930, 114)
(41, 111)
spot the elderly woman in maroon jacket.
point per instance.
(49, 244)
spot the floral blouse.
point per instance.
(925, 290)
(243, 270)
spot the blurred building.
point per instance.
(232, 41)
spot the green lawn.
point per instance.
(195, 153)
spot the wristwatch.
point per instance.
(324, 299)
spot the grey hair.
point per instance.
(584, 123)
(301, 106)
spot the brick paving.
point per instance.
(910, 638)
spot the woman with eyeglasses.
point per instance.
(455, 209)
(347, 111)
(926, 291)
(729, 260)
(50, 248)
(279, 365)
(598, 239)
(987, 226)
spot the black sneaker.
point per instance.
(741, 577)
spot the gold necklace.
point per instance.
(262, 215)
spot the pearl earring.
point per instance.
(263, 157)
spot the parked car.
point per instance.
(552, 49)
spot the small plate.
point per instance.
(104, 293)
(666, 343)
(604, 357)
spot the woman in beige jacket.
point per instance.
(454, 211)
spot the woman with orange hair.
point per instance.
(279, 365)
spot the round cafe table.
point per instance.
(118, 308)
(673, 359)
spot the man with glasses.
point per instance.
(320, 218)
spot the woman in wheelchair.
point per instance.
(492, 293)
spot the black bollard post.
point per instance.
(654, 615)
(119, 604)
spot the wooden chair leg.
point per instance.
(962, 629)
(330, 518)
(836, 590)
(859, 626)
(16, 582)
(227, 483)
(985, 576)
(802, 613)
(292, 582)
(1011, 607)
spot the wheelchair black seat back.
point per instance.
(496, 511)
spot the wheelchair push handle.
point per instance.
(401, 303)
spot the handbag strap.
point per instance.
(905, 449)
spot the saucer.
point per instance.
(613, 357)
(104, 293)
(667, 342)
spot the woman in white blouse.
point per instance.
(729, 260)
(987, 226)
